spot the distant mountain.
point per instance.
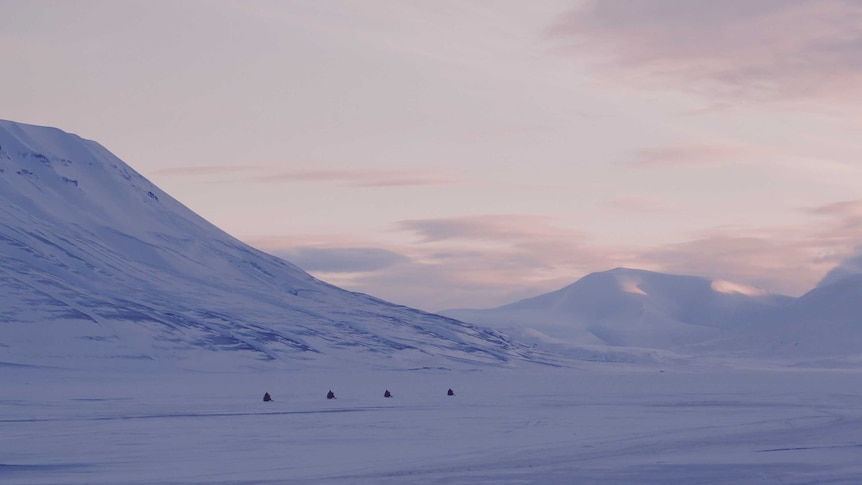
(635, 315)
(98, 263)
(825, 324)
(849, 267)
(633, 308)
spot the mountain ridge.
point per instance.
(98, 261)
(687, 315)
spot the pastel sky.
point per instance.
(446, 154)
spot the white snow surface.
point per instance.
(99, 264)
(593, 424)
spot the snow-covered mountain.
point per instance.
(626, 314)
(824, 324)
(97, 262)
(633, 308)
(849, 267)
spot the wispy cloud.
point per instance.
(765, 49)
(781, 161)
(489, 260)
(362, 177)
(784, 264)
(508, 227)
(790, 259)
(484, 260)
(207, 170)
(850, 266)
(352, 177)
(515, 246)
(640, 204)
(843, 231)
(691, 155)
(460, 276)
(341, 259)
(845, 208)
(514, 251)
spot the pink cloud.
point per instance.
(427, 278)
(843, 229)
(457, 262)
(788, 265)
(789, 259)
(846, 208)
(519, 252)
(485, 227)
(765, 49)
(784, 161)
(367, 177)
(691, 155)
(532, 244)
(341, 259)
(372, 177)
(205, 170)
(640, 204)
(490, 260)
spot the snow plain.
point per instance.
(148, 423)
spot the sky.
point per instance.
(467, 154)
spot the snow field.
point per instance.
(597, 424)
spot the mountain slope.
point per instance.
(97, 262)
(823, 325)
(632, 308)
